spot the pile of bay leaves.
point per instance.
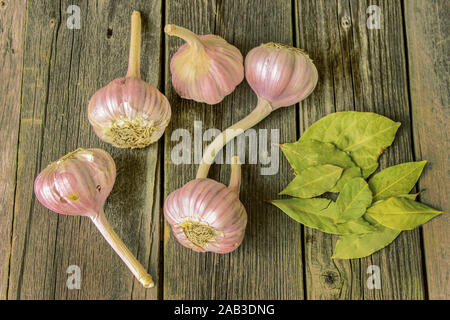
(336, 155)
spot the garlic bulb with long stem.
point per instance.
(128, 112)
(206, 68)
(205, 215)
(280, 76)
(78, 184)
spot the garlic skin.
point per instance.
(206, 68)
(129, 113)
(78, 183)
(205, 215)
(280, 74)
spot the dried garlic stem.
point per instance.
(134, 60)
(121, 249)
(262, 110)
(185, 34)
(235, 177)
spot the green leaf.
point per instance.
(353, 200)
(354, 246)
(401, 213)
(347, 175)
(410, 196)
(308, 153)
(395, 180)
(363, 135)
(313, 181)
(319, 213)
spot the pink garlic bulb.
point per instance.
(206, 68)
(205, 215)
(78, 184)
(128, 112)
(281, 76)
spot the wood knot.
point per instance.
(309, 239)
(2, 4)
(330, 278)
(346, 22)
(109, 33)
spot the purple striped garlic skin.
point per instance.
(280, 74)
(206, 68)
(129, 113)
(78, 183)
(206, 215)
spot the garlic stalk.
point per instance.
(280, 76)
(78, 184)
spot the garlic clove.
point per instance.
(128, 112)
(206, 68)
(281, 74)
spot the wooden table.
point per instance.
(49, 72)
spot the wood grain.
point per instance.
(363, 70)
(427, 25)
(268, 263)
(49, 72)
(12, 18)
(62, 69)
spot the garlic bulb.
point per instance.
(78, 184)
(205, 215)
(281, 76)
(206, 68)
(128, 112)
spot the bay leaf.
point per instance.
(353, 200)
(354, 246)
(395, 180)
(308, 153)
(363, 135)
(347, 175)
(313, 181)
(319, 213)
(410, 196)
(400, 213)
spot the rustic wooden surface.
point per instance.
(427, 29)
(49, 73)
(362, 70)
(259, 269)
(11, 50)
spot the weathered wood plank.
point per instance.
(359, 69)
(268, 265)
(427, 25)
(62, 69)
(12, 18)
